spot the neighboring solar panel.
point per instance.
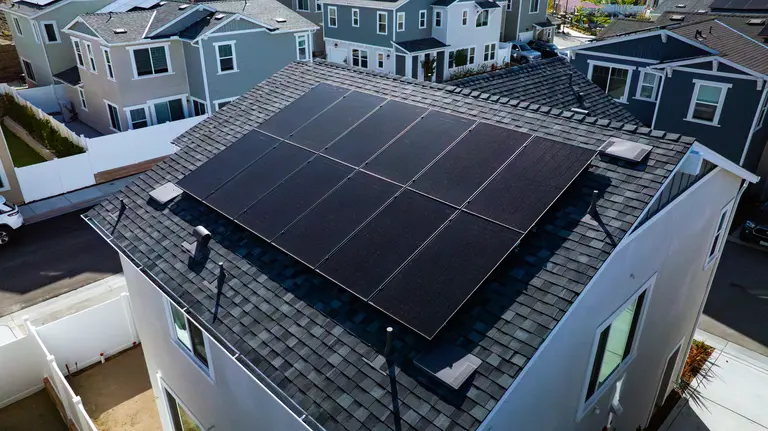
(740, 4)
(126, 5)
(409, 208)
(37, 2)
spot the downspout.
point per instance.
(208, 111)
(658, 98)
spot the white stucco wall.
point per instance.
(549, 393)
(234, 400)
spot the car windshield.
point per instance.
(6, 208)
(524, 47)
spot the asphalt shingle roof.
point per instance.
(105, 24)
(419, 45)
(265, 11)
(71, 76)
(552, 82)
(320, 344)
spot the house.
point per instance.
(583, 324)
(135, 69)
(312, 10)
(552, 82)
(527, 19)
(420, 39)
(699, 75)
(36, 26)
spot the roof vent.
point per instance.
(280, 19)
(677, 17)
(702, 11)
(198, 248)
(580, 111)
(680, 6)
(120, 30)
(184, 6)
(756, 21)
(627, 150)
(219, 16)
(165, 193)
(449, 364)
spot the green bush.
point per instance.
(42, 130)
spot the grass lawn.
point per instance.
(21, 153)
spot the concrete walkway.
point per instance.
(731, 394)
(570, 37)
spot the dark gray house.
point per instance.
(701, 75)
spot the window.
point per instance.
(137, 117)
(168, 110)
(36, 31)
(181, 419)
(380, 60)
(318, 6)
(461, 57)
(198, 107)
(707, 102)
(302, 5)
(91, 57)
(381, 20)
(438, 19)
(613, 80)
(648, 86)
(108, 63)
(720, 233)
(150, 61)
(355, 17)
(489, 52)
(614, 344)
(83, 103)
(509, 4)
(302, 51)
(28, 71)
(114, 117)
(534, 6)
(51, 32)
(225, 53)
(482, 19)
(78, 53)
(401, 21)
(360, 58)
(422, 19)
(332, 16)
(17, 26)
(190, 337)
(464, 17)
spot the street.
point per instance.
(52, 257)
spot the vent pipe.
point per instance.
(388, 349)
(119, 215)
(593, 204)
(199, 247)
(219, 288)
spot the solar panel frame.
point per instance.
(302, 110)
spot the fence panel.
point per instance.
(25, 376)
(75, 172)
(44, 98)
(39, 181)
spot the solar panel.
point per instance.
(212, 174)
(329, 125)
(418, 147)
(285, 203)
(325, 226)
(530, 183)
(443, 274)
(303, 109)
(373, 133)
(371, 255)
(459, 172)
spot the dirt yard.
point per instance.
(117, 395)
(35, 412)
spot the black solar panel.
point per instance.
(441, 276)
(373, 133)
(370, 256)
(418, 147)
(329, 125)
(303, 109)
(459, 172)
(325, 226)
(210, 175)
(530, 183)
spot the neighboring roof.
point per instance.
(203, 26)
(487, 4)
(420, 45)
(265, 12)
(321, 345)
(443, 2)
(105, 24)
(689, 6)
(552, 82)
(621, 26)
(729, 43)
(70, 76)
(27, 8)
(378, 4)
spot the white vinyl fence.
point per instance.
(46, 98)
(622, 9)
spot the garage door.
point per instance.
(526, 36)
(337, 55)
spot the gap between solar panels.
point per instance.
(407, 207)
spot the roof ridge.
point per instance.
(531, 107)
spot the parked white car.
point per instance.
(10, 220)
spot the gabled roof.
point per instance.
(29, 9)
(552, 82)
(322, 346)
(265, 12)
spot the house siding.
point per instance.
(652, 48)
(509, 29)
(138, 91)
(194, 71)
(366, 33)
(318, 44)
(671, 312)
(412, 30)
(527, 19)
(237, 25)
(29, 49)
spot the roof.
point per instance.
(265, 12)
(420, 45)
(690, 6)
(70, 76)
(552, 82)
(320, 344)
(27, 8)
(134, 24)
(378, 4)
(486, 4)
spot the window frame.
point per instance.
(470, 57)
(172, 393)
(305, 37)
(199, 102)
(166, 48)
(151, 104)
(24, 63)
(656, 85)
(398, 22)
(83, 101)
(698, 83)
(206, 370)
(55, 31)
(423, 19)
(108, 67)
(355, 17)
(119, 127)
(216, 46)
(490, 55)
(483, 23)
(381, 57)
(17, 26)
(77, 47)
(299, 9)
(629, 69)
(360, 58)
(719, 235)
(36, 32)
(379, 14)
(464, 17)
(435, 14)
(217, 103)
(530, 6)
(91, 57)
(318, 6)
(333, 15)
(128, 116)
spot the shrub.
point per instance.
(42, 130)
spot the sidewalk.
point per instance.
(73, 201)
(731, 394)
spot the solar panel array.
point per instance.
(408, 208)
(126, 5)
(753, 5)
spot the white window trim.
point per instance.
(629, 69)
(538, 6)
(698, 83)
(723, 234)
(355, 21)
(384, 60)
(81, 95)
(206, 370)
(217, 102)
(367, 56)
(218, 59)
(308, 9)
(24, 69)
(335, 16)
(130, 120)
(423, 18)
(318, 6)
(488, 22)
(386, 22)
(397, 21)
(304, 36)
(192, 106)
(76, 43)
(117, 110)
(165, 387)
(107, 64)
(465, 17)
(55, 30)
(617, 374)
(763, 111)
(434, 18)
(36, 32)
(91, 57)
(495, 51)
(17, 27)
(151, 103)
(154, 75)
(448, 58)
(655, 94)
